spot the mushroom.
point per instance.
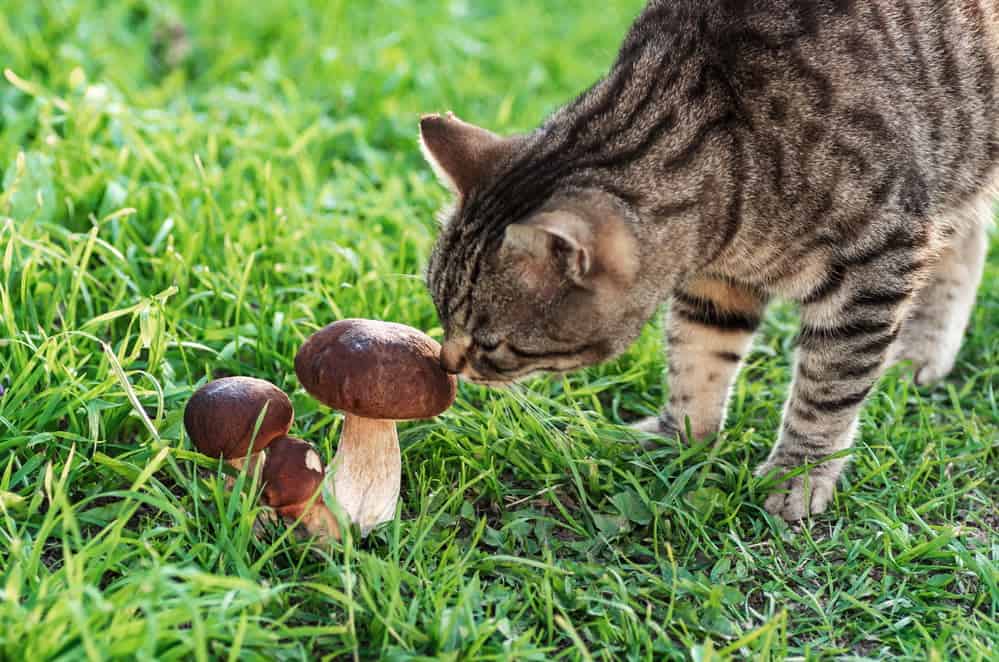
(221, 417)
(293, 476)
(377, 373)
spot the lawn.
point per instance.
(190, 189)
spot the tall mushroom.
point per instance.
(221, 417)
(377, 373)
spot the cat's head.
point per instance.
(530, 273)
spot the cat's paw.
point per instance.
(930, 353)
(798, 497)
(663, 426)
(927, 372)
(932, 373)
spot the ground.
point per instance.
(192, 188)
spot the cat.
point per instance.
(841, 155)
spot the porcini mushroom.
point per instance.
(292, 476)
(377, 373)
(221, 417)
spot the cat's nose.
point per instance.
(454, 355)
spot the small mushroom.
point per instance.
(292, 477)
(221, 417)
(377, 373)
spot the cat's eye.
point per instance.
(488, 346)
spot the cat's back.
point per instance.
(808, 120)
(839, 102)
(877, 82)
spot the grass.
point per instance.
(176, 208)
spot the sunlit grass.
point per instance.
(175, 208)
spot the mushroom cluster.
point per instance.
(377, 373)
(245, 422)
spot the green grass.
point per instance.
(173, 213)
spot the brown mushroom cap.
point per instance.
(221, 416)
(376, 370)
(292, 474)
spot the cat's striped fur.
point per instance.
(837, 153)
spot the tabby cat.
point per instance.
(835, 153)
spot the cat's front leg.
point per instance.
(708, 333)
(848, 329)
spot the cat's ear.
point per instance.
(551, 243)
(461, 154)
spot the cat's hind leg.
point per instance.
(932, 335)
(709, 330)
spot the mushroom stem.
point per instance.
(317, 521)
(237, 463)
(367, 471)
